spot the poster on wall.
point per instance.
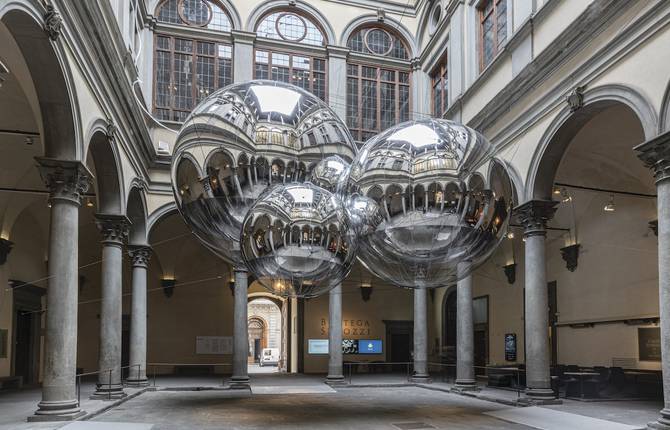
(317, 346)
(217, 345)
(370, 346)
(349, 346)
(510, 347)
(649, 343)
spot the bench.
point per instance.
(194, 370)
(11, 382)
(500, 380)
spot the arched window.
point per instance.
(377, 95)
(188, 69)
(305, 70)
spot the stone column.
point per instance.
(137, 373)
(421, 91)
(655, 154)
(335, 375)
(240, 378)
(465, 334)
(420, 374)
(533, 216)
(114, 229)
(66, 181)
(337, 79)
(243, 53)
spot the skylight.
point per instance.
(276, 99)
(301, 195)
(417, 135)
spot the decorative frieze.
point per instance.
(53, 23)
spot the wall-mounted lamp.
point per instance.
(609, 207)
(366, 291)
(168, 287)
(231, 285)
(653, 226)
(570, 255)
(89, 202)
(510, 272)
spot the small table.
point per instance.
(581, 376)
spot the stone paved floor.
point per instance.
(354, 407)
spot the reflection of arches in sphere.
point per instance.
(262, 170)
(419, 200)
(278, 171)
(222, 176)
(396, 200)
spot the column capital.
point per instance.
(245, 37)
(114, 228)
(140, 255)
(655, 154)
(336, 51)
(534, 215)
(415, 63)
(65, 179)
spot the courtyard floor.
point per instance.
(280, 401)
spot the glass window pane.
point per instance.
(262, 57)
(204, 77)
(280, 59)
(289, 26)
(195, 12)
(319, 85)
(225, 51)
(369, 105)
(261, 72)
(183, 80)
(301, 63)
(225, 72)
(205, 48)
(168, 13)
(387, 105)
(163, 42)
(220, 20)
(501, 12)
(183, 45)
(352, 102)
(387, 75)
(163, 79)
(403, 100)
(378, 41)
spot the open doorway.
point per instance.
(265, 327)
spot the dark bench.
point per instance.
(11, 382)
(194, 370)
(500, 380)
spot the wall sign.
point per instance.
(510, 347)
(317, 346)
(349, 327)
(649, 343)
(214, 345)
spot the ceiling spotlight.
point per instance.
(609, 207)
(557, 191)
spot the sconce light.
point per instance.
(565, 197)
(510, 272)
(609, 207)
(168, 287)
(570, 255)
(366, 291)
(89, 202)
(653, 225)
(231, 285)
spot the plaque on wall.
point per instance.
(510, 347)
(217, 345)
(649, 343)
(3, 343)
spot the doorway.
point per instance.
(265, 323)
(27, 329)
(399, 343)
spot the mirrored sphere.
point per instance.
(328, 172)
(296, 240)
(428, 203)
(242, 140)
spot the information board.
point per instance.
(317, 346)
(649, 343)
(510, 347)
(217, 345)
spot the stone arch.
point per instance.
(47, 64)
(103, 158)
(301, 7)
(158, 215)
(392, 23)
(137, 213)
(567, 124)
(664, 123)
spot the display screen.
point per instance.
(317, 346)
(349, 346)
(370, 346)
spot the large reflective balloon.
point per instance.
(237, 143)
(418, 201)
(296, 240)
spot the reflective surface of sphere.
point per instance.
(240, 141)
(428, 203)
(296, 240)
(328, 172)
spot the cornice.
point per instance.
(408, 9)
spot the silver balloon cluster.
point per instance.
(268, 177)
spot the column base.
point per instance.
(420, 378)
(463, 385)
(663, 423)
(57, 411)
(142, 382)
(540, 396)
(335, 380)
(106, 392)
(239, 383)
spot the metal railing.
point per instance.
(78, 377)
(155, 366)
(448, 374)
(353, 367)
